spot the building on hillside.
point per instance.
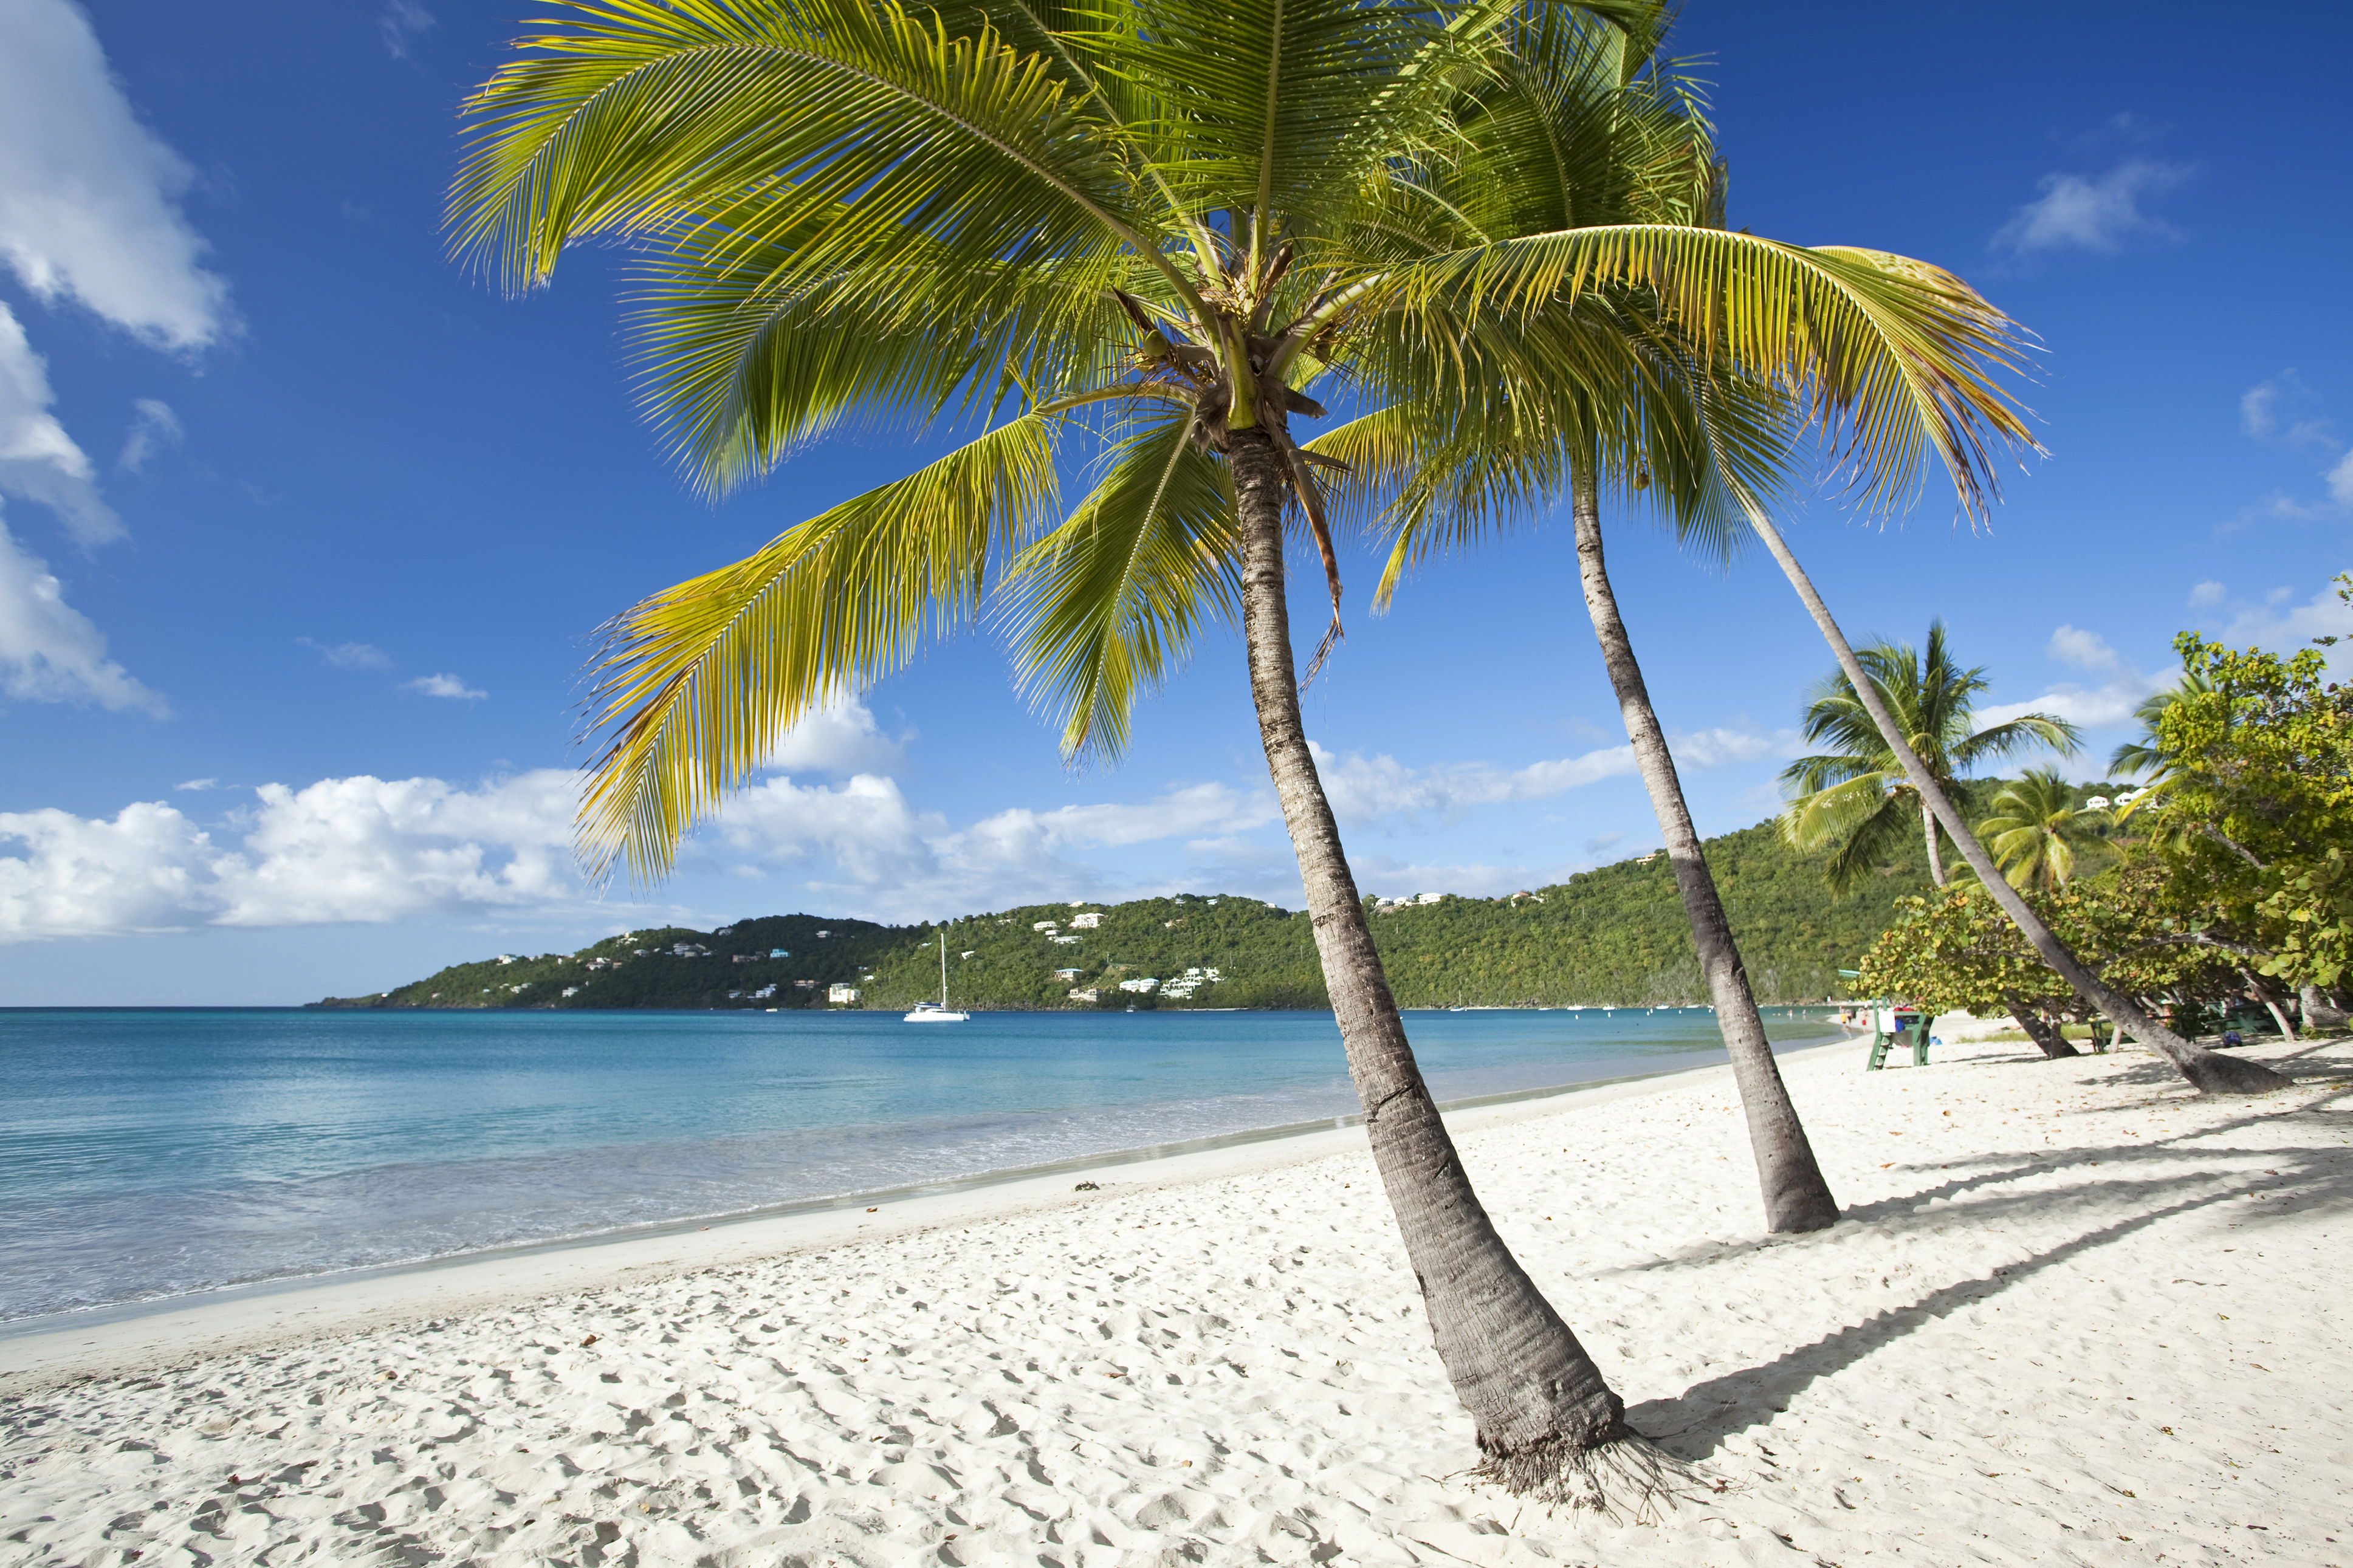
(1087, 994)
(1087, 921)
(1138, 986)
(1062, 941)
(763, 992)
(1066, 974)
(778, 953)
(842, 995)
(806, 984)
(1044, 925)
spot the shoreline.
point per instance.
(2072, 1312)
(236, 1317)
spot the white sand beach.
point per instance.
(2075, 1314)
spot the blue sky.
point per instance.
(308, 532)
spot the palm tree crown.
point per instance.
(1855, 795)
(2036, 827)
(1147, 225)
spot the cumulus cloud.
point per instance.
(2282, 625)
(1363, 788)
(374, 850)
(448, 686)
(863, 841)
(839, 738)
(355, 849)
(2092, 708)
(153, 429)
(2096, 214)
(350, 655)
(49, 652)
(88, 197)
(2207, 595)
(38, 461)
(2084, 650)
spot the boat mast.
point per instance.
(944, 967)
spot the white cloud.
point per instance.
(839, 738)
(2261, 413)
(862, 842)
(2283, 628)
(350, 655)
(2341, 480)
(355, 849)
(88, 197)
(400, 23)
(2207, 595)
(38, 459)
(448, 686)
(1716, 748)
(2090, 707)
(198, 784)
(49, 652)
(154, 428)
(2099, 213)
(2084, 650)
(1363, 788)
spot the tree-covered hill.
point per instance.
(1615, 934)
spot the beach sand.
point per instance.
(2075, 1314)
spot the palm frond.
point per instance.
(1891, 358)
(703, 680)
(1109, 604)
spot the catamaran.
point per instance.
(938, 1011)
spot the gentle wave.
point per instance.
(147, 1154)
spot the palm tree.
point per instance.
(1148, 228)
(1856, 797)
(2035, 828)
(2209, 1072)
(1575, 127)
(2145, 753)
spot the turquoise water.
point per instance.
(150, 1154)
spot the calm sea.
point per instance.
(152, 1154)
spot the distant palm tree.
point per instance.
(1857, 796)
(2035, 827)
(2145, 753)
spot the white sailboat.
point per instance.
(938, 1011)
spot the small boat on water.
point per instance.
(938, 1011)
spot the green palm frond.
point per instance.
(876, 132)
(1111, 601)
(2036, 827)
(1891, 358)
(703, 680)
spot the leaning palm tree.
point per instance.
(2036, 829)
(1575, 127)
(1148, 229)
(1855, 800)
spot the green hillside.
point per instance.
(1612, 935)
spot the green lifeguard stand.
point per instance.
(1892, 1024)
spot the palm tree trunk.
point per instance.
(2207, 1072)
(1539, 1402)
(1928, 827)
(2271, 1002)
(2046, 1035)
(1796, 1198)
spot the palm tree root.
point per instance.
(1621, 1474)
(2210, 1072)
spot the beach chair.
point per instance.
(1889, 1028)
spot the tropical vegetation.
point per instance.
(1853, 798)
(1614, 935)
(2039, 828)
